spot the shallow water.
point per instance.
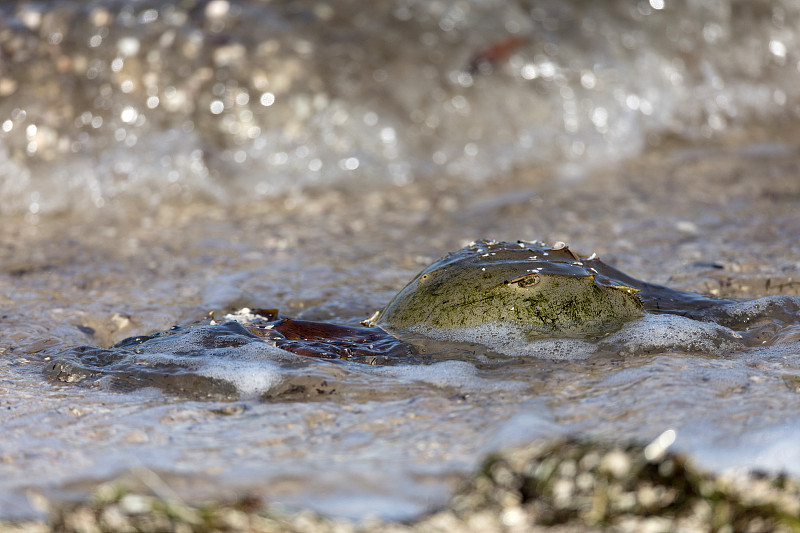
(106, 239)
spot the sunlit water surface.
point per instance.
(160, 162)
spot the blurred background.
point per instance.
(122, 106)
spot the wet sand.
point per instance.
(720, 219)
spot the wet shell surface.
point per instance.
(549, 288)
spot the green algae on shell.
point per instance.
(546, 289)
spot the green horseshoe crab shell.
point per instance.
(546, 289)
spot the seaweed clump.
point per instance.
(575, 485)
(566, 486)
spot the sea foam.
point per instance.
(459, 375)
(250, 365)
(666, 333)
(508, 338)
(651, 334)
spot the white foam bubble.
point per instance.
(253, 368)
(760, 306)
(651, 334)
(512, 339)
(782, 308)
(454, 374)
(252, 372)
(661, 333)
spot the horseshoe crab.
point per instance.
(538, 289)
(549, 289)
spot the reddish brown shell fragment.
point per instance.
(331, 341)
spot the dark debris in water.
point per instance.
(371, 346)
(129, 365)
(121, 371)
(186, 361)
(564, 485)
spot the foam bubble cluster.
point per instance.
(668, 333)
(459, 375)
(252, 368)
(651, 334)
(509, 338)
(782, 309)
(204, 362)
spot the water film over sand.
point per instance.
(288, 170)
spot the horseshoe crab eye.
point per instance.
(431, 274)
